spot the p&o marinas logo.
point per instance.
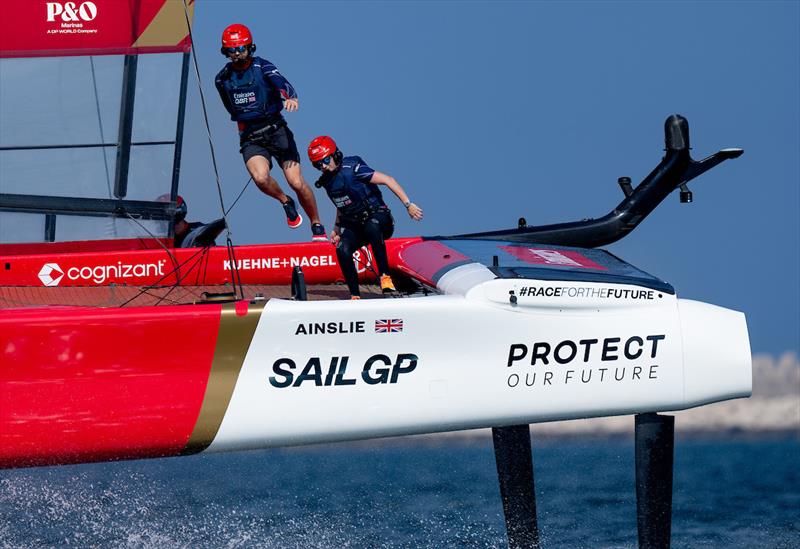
(72, 17)
(51, 274)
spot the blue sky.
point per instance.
(488, 111)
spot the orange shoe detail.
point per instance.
(386, 284)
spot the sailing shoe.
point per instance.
(318, 233)
(386, 284)
(293, 218)
(355, 297)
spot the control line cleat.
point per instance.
(293, 217)
(387, 286)
(318, 233)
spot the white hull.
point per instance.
(477, 360)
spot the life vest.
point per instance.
(250, 95)
(349, 191)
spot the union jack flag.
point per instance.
(388, 325)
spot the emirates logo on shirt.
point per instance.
(246, 97)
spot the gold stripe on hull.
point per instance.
(233, 341)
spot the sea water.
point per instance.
(416, 492)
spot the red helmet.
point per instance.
(320, 147)
(180, 206)
(180, 209)
(236, 35)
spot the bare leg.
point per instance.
(258, 166)
(296, 181)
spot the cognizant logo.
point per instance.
(51, 274)
(70, 11)
(100, 274)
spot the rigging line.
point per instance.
(102, 138)
(100, 123)
(176, 266)
(202, 252)
(240, 195)
(236, 277)
(196, 262)
(208, 131)
(199, 258)
(204, 261)
(201, 264)
(145, 290)
(148, 292)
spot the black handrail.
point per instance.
(92, 207)
(675, 170)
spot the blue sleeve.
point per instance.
(361, 170)
(221, 75)
(277, 79)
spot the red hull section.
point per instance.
(257, 264)
(115, 383)
(427, 261)
(83, 384)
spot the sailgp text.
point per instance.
(377, 370)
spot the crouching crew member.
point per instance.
(362, 217)
(254, 93)
(192, 234)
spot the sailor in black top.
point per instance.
(362, 217)
(192, 234)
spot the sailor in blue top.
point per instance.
(254, 93)
(362, 217)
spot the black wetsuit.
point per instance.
(364, 217)
(200, 235)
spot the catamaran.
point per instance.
(117, 345)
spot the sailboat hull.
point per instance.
(86, 384)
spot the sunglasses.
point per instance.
(237, 49)
(322, 162)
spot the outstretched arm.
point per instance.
(287, 91)
(414, 211)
